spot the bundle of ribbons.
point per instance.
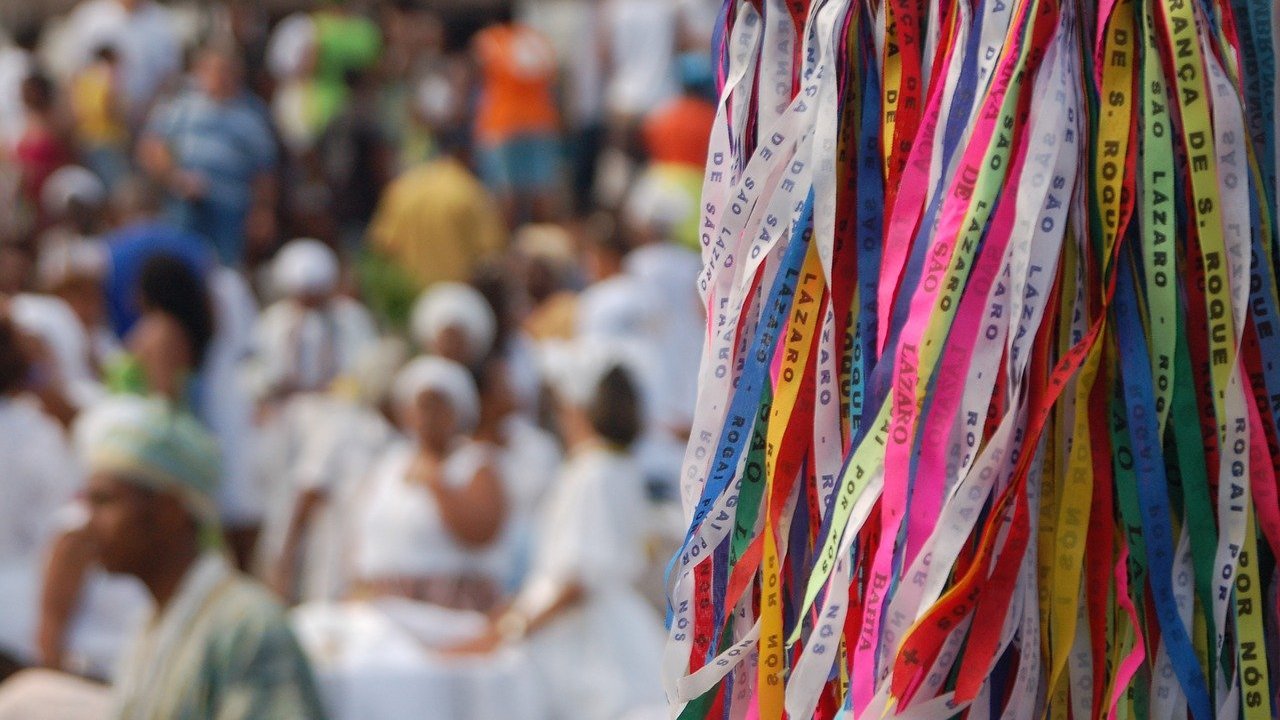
(987, 420)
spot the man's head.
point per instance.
(130, 523)
(27, 36)
(598, 394)
(218, 71)
(153, 474)
(107, 53)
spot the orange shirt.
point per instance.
(519, 67)
(679, 132)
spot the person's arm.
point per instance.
(69, 562)
(284, 575)
(157, 160)
(475, 512)
(45, 380)
(513, 624)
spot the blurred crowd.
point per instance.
(382, 318)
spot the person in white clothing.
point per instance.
(428, 560)
(597, 642)
(16, 61)
(626, 311)
(64, 378)
(227, 405)
(436, 505)
(330, 442)
(312, 335)
(40, 475)
(528, 460)
(642, 38)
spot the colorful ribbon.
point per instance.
(990, 398)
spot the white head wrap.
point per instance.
(656, 202)
(459, 305)
(575, 369)
(305, 266)
(620, 308)
(428, 372)
(71, 183)
(293, 39)
(53, 321)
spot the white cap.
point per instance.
(305, 267)
(429, 372)
(452, 304)
(68, 183)
(293, 39)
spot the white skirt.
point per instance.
(374, 660)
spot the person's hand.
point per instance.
(483, 644)
(188, 185)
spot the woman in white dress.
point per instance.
(435, 505)
(428, 562)
(595, 643)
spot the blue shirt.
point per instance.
(229, 144)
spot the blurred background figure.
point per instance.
(40, 475)
(517, 123)
(435, 223)
(213, 150)
(580, 601)
(255, 215)
(142, 33)
(311, 335)
(98, 102)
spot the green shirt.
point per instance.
(221, 650)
